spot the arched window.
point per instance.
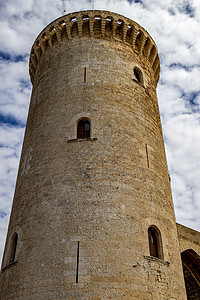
(154, 242)
(13, 248)
(83, 129)
(137, 73)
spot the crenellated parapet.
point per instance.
(96, 24)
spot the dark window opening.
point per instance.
(191, 271)
(138, 75)
(86, 26)
(108, 26)
(153, 243)
(83, 129)
(119, 29)
(84, 74)
(77, 263)
(97, 25)
(147, 155)
(13, 248)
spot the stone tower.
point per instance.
(92, 216)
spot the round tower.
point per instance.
(92, 215)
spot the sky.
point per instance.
(175, 27)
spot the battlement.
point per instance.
(96, 24)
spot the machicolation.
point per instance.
(98, 25)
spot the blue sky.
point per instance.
(175, 27)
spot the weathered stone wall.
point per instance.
(189, 240)
(89, 202)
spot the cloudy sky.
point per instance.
(173, 24)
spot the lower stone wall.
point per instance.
(188, 238)
(189, 241)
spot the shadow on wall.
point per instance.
(191, 270)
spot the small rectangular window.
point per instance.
(83, 129)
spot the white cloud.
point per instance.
(15, 89)
(10, 148)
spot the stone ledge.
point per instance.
(81, 140)
(136, 81)
(9, 266)
(156, 259)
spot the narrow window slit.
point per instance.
(77, 263)
(85, 74)
(147, 155)
(13, 248)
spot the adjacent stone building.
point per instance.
(92, 215)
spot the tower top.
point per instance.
(101, 25)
